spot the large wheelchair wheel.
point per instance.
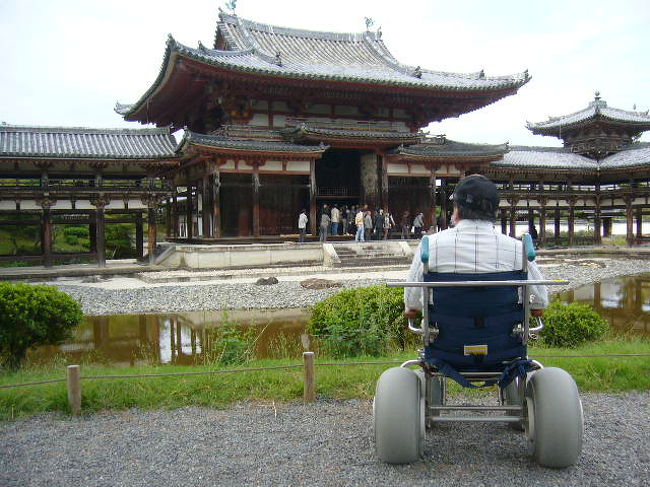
(513, 395)
(399, 416)
(432, 392)
(554, 424)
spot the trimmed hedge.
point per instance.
(362, 321)
(32, 316)
(571, 325)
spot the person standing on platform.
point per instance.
(324, 224)
(418, 224)
(359, 236)
(336, 218)
(302, 225)
(405, 224)
(379, 225)
(389, 223)
(367, 224)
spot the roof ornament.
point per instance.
(481, 74)
(526, 75)
(369, 22)
(597, 95)
(232, 6)
(379, 32)
(417, 72)
(278, 58)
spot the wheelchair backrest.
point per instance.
(479, 301)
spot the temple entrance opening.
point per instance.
(338, 178)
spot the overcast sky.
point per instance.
(66, 62)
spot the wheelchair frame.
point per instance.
(516, 402)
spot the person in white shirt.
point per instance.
(359, 222)
(335, 216)
(302, 225)
(473, 245)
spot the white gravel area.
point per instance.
(237, 289)
(322, 444)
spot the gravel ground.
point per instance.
(322, 444)
(131, 296)
(291, 444)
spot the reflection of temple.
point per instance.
(280, 119)
(624, 302)
(184, 338)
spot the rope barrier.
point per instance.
(282, 367)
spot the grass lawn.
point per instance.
(339, 381)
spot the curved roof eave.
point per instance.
(219, 59)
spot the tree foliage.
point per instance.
(31, 316)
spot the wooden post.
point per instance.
(597, 219)
(629, 217)
(216, 203)
(639, 223)
(206, 207)
(571, 223)
(313, 191)
(310, 389)
(189, 213)
(557, 226)
(46, 237)
(152, 234)
(542, 224)
(139, 237)
(256, 199)
(74, 389)
(100, 239)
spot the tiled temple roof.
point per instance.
(596, 109)
(86, 143)
(328, 55)
(307, 131)
(223, 142)
(285, 53)
(636, 155)
(441, 147)
(523, 157)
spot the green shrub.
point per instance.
(32, 316)
(118, 241)
(362, 321)
(570, 325)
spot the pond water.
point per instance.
(189, 338)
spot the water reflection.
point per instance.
(189, 338)
(182, 338)
(624, 302)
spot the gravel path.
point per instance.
(291, 444)
(130, 295)
(324, 444)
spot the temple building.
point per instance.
(280, 119)
(276, 120)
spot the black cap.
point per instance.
(478, 193)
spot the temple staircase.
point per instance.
(368, 254)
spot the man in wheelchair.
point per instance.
(473, 245)
(471, 284)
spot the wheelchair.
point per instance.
(475, 331)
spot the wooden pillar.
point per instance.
(383, 180)
(607, 226)
(152, 234)
(629, 217)
(598, 305)
(597, 219)
(139, 237)
(174, 225)
(100, 239)
(444, 207)
(571, 223)
(556, 228)
(433, 202)
(639, 223)
(215, 180)
(189, 212)
(206, 207)
(46, 235)
(513, 217)
(168, 218)
(256, 199)
(313, 191)
(542, 222)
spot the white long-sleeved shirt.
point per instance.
(472, 246)
(302, 221)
